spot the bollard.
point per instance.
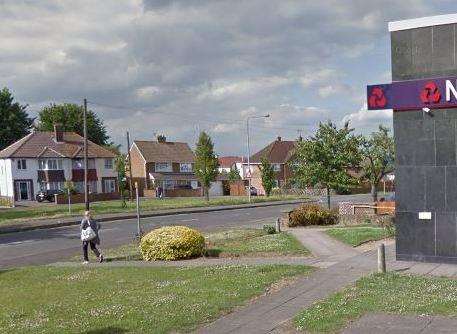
(278, 225)
(381, 258)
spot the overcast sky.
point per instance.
(179, 67)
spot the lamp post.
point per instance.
(249, 152)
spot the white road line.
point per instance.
(188, 220)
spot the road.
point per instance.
(51, 245)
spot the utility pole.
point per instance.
(130, 168)
(86, 185)
(249, 153)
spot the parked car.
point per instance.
(47, 195)
(253, 191)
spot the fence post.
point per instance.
(69, 201)
(381, 258)
(278, 225)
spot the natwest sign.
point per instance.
(413, 94)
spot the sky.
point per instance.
(180, 67)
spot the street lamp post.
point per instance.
(249, 152)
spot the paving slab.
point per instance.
(323, 246)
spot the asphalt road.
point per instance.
(51, 245)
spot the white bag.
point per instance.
(88, 234)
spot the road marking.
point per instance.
(188, 220)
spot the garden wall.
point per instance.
(79, 198)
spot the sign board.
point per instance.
(413, 94)
(425, 215)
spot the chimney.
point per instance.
(161, 139)
(58, 133)
(279, 138)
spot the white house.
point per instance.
(45, 160)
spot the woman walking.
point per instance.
(89, 236)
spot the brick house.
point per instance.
(165, 164)
(278, 153)
(45, 160)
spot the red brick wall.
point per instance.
(79, 198)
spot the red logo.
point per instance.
(430, 93)
(377, 98)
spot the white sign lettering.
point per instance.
(450, 88)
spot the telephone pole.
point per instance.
(86, 185)
(130, 168)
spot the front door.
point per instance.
(23, 190)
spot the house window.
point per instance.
(51, 185)
(110, 186)
(163, 167)
(108, 163)
(50, 164)
(168, 184)
(276, 167)
(185, 168)
(92, 187)
(79, 187)
(22, 164)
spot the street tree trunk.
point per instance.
(206, 191)
(328, 198)
(374, 193)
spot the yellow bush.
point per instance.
(172, 243)
(312, 214)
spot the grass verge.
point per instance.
(356, 236)
(226, 243)
(18, 215)
(390, 293)
(128, 300)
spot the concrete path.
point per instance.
(397, 324)
(269, 313)
(290, 260)
(323, 246)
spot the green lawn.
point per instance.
(226, 243)
(390, 293)
(253, 242)
(128, 300)
(149, 204)
(356, 236)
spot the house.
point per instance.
(45, 160)
(165, 164)
(229, 162)
(278, 153)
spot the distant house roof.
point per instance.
(43, 144)
(154, 151)
(279, 151)
(228, 161)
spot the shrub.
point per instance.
(269, 229)
(172, 243)
(312, 214)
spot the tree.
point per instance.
(325, 158)
(234, 175)
(119, 163)
(268, 175)
(378, 154)
(206, 162)
(70, 118)
(15, 121)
